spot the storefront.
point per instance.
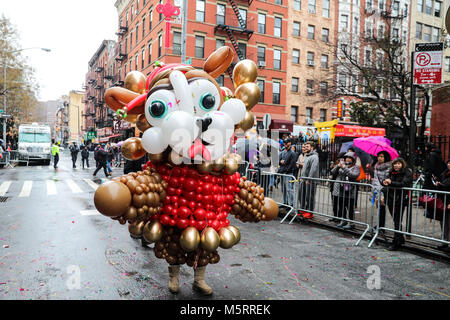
(333, 129)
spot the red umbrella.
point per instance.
(374, 146)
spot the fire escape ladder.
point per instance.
(234, 43)
(238, 15)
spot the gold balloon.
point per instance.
(135, 81)
(231, 165)
(248, 121)
(189, 239)
(175, 159)
(142, 123)
(131, 214)
(132, 149)
(236, 157)
(136, 228)
(236, 232)
(210, 239)
(270, 209)
(227, 238)
(244, 71)
(205, 167)
(159, 157)
(249, 93)
(139, 200)
(112, 198)
(131, 118)
(218, 164)
(153, 231)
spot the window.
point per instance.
(261, 23)
(261, 54)
(367, 57)
(419, 30)
(310, 58)
(220, 13)
(420, 5)
(276, 92)
(136, 60)
(131, 39)
(296, 29)
(200, 10)
(126, 19)
(395, 8)
(380, 33)
(356, 25)
(150, 19)
(437, 9)
(325, 35)
(243, 14)
(276, 59)
(311, 6)
(342, 81)
(220, 43)
(447, 64)
(324, 61)
(296, 56)
(131, 64)
(149, 53)
(159, 45)
(323, 88)
(428, 6)
(294, 87)
(326, 9)
(220, 80)
(309, 114)
(143, 57)
(132, 11)
(381, 4)
(354, 85)
(143, 28)
(436, 34)
(427, 33)
(126, 45)
(344, 23)
(261, 88)
(243, 49)
(176, 42)
(280, 2)
(369, 29)
(160, 15)
(297, 4)
(323, 115)
(277, 27)
(199, 46)
(311, 30)
(395, 34)
(309, 86)
(294, 114)
(137, 33)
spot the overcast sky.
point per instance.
(72, 29)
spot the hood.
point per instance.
(312, 153)
(383, 166)
(351, 155)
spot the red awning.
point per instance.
(357, 131)
(105, 139)
(282, 125)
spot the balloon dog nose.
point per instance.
(204, 123)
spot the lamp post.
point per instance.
(4, 84)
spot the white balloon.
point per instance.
(153, 140)
(180, 130)
(235, 108)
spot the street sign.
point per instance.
(267, 120)
(90, 135)
(339, 109)
(1, 111)
(428, 63)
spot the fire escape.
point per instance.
(121, 55)
(241, 29)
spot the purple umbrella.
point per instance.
(380, 138)
(374, 146)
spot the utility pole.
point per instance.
(184, 32)
(412, 116)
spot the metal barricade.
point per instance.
(5, 160)
(350, 203)
(16, 157)
(242, 169)
(414, 212)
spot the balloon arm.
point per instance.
(138, 101)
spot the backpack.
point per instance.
(96, 157)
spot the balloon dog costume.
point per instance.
(181, 199)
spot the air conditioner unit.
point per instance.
(309, 121)
(310, 90)
(311, 63)
(261, 64)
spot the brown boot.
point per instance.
(199, 281)
(173, 278)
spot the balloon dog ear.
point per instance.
(117, 98)
(219, 61)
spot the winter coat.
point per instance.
(85, 153)
(301, 163)
(345, 174)
(380, 173)
(101, 155)
(433, 166)
(74, 150)
(400, 179)
(311, 165)
(444, 180)
(289, 165)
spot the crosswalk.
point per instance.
(28, 188)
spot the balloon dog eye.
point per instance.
(207, 101)
(158, 109)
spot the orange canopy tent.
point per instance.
(331, 129)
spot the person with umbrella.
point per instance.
(399, 176)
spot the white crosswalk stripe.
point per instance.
(92, 184)
(89, 212)
(73, 186)
(4, 188)
(51, 187)
(26, 189)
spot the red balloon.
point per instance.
(182, 179)
(192, 223)
(174, 199)
(191, 195)
(218, 200)
(192, 205)
(190, 184)
(207, 188)
(174, 212)
(174, 182)
(226, 223)
(183, 202)
(184, 171)
(164, 219)
(217, 189)
(215, 224)
(199, 205)
(182, 223)
(171, 191)
(200, 225)
(176, 171)
(208, 178)
(184, 212)
(168, 209)
(210, 215)
(200, 214)
(199, 197)
(199, 189)
(179, 192)
(172, 222)
(207, 199)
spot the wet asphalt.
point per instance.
(54, 246)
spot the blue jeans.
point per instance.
(288, 190)
(108, 165)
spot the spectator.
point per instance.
(287, 167)
(323, 160)
(433, 165)
(308, 186)
(380, 173)
(358, 160)
(133, 165)
(333, 176)
(443, 184)
(74, 153)
(346, 171)
(85, 156)
(109, 157)
(100, 157)
(397, 199)
(266, 160)
(301, 160)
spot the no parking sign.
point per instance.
(428, 63)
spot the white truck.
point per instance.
(35, 142)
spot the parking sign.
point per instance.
(428, 63)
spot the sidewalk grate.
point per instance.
(4, 199)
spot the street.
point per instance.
(55, 245)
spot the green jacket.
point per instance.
(55, 149)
